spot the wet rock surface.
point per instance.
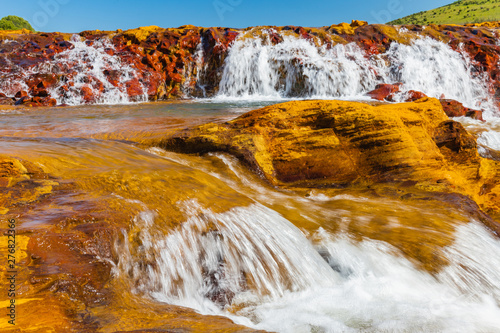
(322, 144)
(66, 237)
(188, 61)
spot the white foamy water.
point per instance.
(437, 70)
(294, 68)
(380, 292)
(490, 139)
(198, 67)
(257, 69)
(88, 65)
(213, 257)
(286, 281)
(83, 68)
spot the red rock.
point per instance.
(113, 76)
(275, 38)
(109, 51)
(189, 41)
(38, 101)
(413, 95)
(87, 93)
(230, 36)
(384, 91)
(134, 88)
(456, 109)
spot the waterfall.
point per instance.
(255, 68)
(212, 258)
(90, 69)
(88, 66)
(380, 292)
(197, 66)
(437, 70)
(298, 68)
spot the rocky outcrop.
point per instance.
(410, 152)
(188, 61)
(392, 93)
(336, 144)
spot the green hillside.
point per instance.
(459, 12)
(14, 23)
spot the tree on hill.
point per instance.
(14, 23)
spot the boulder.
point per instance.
(384, 91)
(338, 144)
(456, 109)
(413, 95)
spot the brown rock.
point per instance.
(413, 95)
(384, 91)
(21, 93)
(456, 109)
(452, 135)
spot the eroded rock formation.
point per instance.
(188, 61)
(334, 144)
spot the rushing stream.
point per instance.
(210, 235)
(267, 258)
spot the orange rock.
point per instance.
(384, 91)
(292, 144)
(87, 93)
(456, 109)
(413, 95)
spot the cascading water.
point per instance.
(255, 68)
(258, 69)
(254, 266)
(437, 70)
(89, 65)
(212, 258)
(196, 67)
(88, 74)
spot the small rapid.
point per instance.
(263, 270)
(257, 268)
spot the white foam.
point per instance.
(490, 139)
(294, 68)
(434, 68)
(325, 283)
(381, 292)
(91, 62)
(255, 69)
(221, 253)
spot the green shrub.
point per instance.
(14, 23)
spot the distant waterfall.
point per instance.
(85, 68)
(91, 62)
(256, 68)
(297, 68)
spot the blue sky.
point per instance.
(79, 15)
